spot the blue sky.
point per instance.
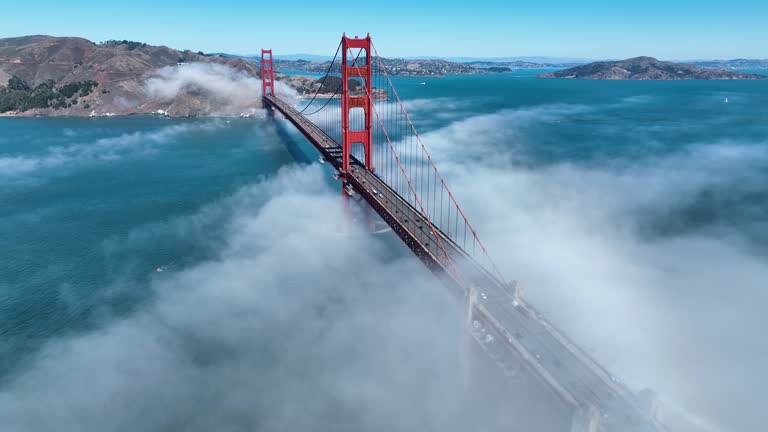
(670, 29)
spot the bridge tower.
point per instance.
(361, 73)
(267, 73)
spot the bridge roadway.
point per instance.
(501, 322)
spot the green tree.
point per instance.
(16, 83)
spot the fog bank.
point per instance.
(275, 333)
(654, 264)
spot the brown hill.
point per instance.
(647, 68)
(122, 70)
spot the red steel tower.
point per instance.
(358, 69)
(267, 73)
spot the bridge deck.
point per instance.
(514, 326)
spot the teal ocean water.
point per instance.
(634, 213)
(73, 188)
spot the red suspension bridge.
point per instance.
(358, 123)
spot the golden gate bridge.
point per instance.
(364, 131)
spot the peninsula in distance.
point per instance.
(648, 68)
(71, 76)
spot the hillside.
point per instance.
(734, 64)
(74, 76)
(330, 87)
(395, 67)
(520, 64)
(647, 68)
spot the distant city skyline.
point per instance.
(591, 29)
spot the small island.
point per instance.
(647, 68)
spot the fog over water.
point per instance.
(226, 91)
(262, 336)
(646, 241)
(634, 214)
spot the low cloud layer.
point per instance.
(208, 88)
(102, 149)
(614, 251)
(662, 248)
(275, 333)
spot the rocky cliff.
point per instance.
(120, 77)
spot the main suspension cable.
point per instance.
(323, 81)
(459, 212)
(354, 62)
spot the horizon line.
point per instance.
(454, 58)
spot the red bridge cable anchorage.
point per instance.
(494, 268)
(455, 269)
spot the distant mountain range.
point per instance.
(524, 59)
(44, 75)
(477, 62)
(395, 67)
(529, 59)
(736, 64)
(647, 68)
(300, 62)
(519, 64)
(310, 57)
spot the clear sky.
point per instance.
(667, 29)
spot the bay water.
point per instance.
(149, 262)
